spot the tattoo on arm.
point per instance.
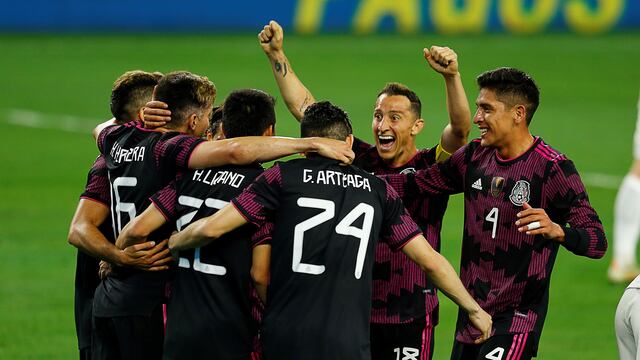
(281, 67)
(305, 102)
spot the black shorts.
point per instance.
(411, 341)
(500, 347)
(128, 337)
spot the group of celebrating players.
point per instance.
(331, 256)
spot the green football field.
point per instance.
(54, 89)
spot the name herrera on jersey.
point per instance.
(118, 154)
(210, 177)
(330, 177)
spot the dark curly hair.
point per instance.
(324, 119)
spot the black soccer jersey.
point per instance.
(508, 272)
(401, 291)
(97, 189)
(140, 162)
(209, 314)
(327, 220)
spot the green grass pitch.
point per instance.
(589, 89)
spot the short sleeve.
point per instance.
(263, 235)
(97, 187)
(177, 149)
(260, 199)
(398, 227)
(103, 135)
(166, 199)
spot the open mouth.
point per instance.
(483, 131)
(386, 141)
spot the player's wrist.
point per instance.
(451, 76)
(275, 54)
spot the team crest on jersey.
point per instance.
(409, 170)
(497, 183)
(520, 193)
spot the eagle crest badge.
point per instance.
(520, 193)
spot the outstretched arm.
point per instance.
(445, 61)
(207, 229)
(250, 149)
(295, 94)
(445, 278)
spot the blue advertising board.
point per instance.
(316, 16)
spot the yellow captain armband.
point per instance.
(441, 154)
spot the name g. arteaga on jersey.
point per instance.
(330, 177)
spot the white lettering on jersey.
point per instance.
(118, 154)
(211, 177)
(335, 178)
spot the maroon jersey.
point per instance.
(401, 290)
(327, 219)
(506, 271)
(140, 162)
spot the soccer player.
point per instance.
(90, 229)
(327, 219)
(627, 322)
(127, 305)
(626, 220)
(209, 311)
(523, 199)
(405, 305)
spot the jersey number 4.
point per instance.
(344, 227)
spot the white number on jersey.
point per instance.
(185, 220)
(495, 354)
(120, 207)
(408, 353)
(344, 227)
(493, 218)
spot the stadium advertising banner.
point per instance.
(316, 16)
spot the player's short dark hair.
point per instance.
(324, 119)
(247, 112)
(130, 92)
(216, 119)
(512, 86)
(185, 93)
(393, 88)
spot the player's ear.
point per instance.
(209, 135)
(417, 126)
(520, 113)
(349, 140)
(193, 121)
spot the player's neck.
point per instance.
(516, 146)
(403, 157)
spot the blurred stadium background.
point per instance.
(59, 59)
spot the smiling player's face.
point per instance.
(394, 126)
(494, 118)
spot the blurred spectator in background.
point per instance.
(626, 221)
